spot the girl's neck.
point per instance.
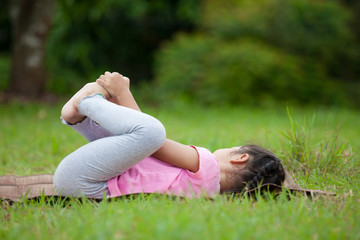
(225, 179)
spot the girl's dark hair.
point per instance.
(263, 167)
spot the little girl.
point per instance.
(129, 153)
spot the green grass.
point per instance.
(320, 147)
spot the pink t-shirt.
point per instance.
(154, 176)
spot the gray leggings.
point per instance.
(119, 138)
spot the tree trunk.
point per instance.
(31, 21)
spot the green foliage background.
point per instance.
(270, 50)
(214, 52)
(90, 37)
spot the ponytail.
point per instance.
(271, 172)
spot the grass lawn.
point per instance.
(319, 146)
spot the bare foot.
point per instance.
(70, 112)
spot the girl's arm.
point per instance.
(171, 152)
(179, 155)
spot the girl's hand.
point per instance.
(114, 83)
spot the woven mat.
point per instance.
(15, 188)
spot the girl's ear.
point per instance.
(239, 158)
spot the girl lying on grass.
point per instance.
(129, 153)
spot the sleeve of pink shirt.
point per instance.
(207, 164)
(207, 178)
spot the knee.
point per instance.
(155, 133)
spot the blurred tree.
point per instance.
(30, 27)
(89, 37)
(4, 44)
(316, 30)
(4, 27)
(352, 71)
(261, 52)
